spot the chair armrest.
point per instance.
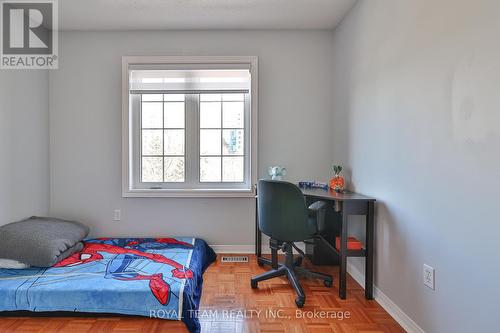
(317, 211)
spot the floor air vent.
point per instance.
(234, 259)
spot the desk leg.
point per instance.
(258, 241)
(370, 230)
(343, 254)
(258, 234)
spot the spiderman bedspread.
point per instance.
(153, 277)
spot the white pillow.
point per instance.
(12, 264)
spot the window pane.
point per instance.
(152, 142)
(152, 169)
(210, 97)
(233, 169)
(152, 115)
(174, 115)
(210, 115)
(174, 97)
(152, 97)
(174, 169)
(210, 169)
(233, 142)
(174, 142)
(210, 142)
(233, 97)
(234, 115)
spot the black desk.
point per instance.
(347, 203)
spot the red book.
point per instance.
(352, 243)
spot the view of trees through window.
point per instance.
(163, 137)
(220, 131)
(222, 137)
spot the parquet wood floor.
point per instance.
(229, 305)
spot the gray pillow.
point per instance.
(41, 241)
(12, 264)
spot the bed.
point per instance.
(152, 277)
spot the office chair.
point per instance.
(285, 218)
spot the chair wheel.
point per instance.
(300, 301)
(328, 283)
(253, 284)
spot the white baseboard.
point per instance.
(246, 249)
(395, 311)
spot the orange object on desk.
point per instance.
(352, 243)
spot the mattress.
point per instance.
(152, 277)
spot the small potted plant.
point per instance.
(337, 183)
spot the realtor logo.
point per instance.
(29, 34)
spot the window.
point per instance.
(222, 137)
(189, 126)
(163, 132)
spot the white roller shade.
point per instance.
(189, 80)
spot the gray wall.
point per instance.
(417, 120)
(85, 119)
(24, 148)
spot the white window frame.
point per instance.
(129, 158)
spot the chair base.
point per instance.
(291, 269)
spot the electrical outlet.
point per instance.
(117, 215)
(429, 276)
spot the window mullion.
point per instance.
(191, 139)
(163, 137)
(221, 140)
(196, 140)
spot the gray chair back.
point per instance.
(282, 210)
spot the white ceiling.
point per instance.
(98, 15)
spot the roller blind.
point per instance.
(201, 80)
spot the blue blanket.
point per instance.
(154, 277)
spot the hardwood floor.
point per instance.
(230, 305)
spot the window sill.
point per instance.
(191, 193)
